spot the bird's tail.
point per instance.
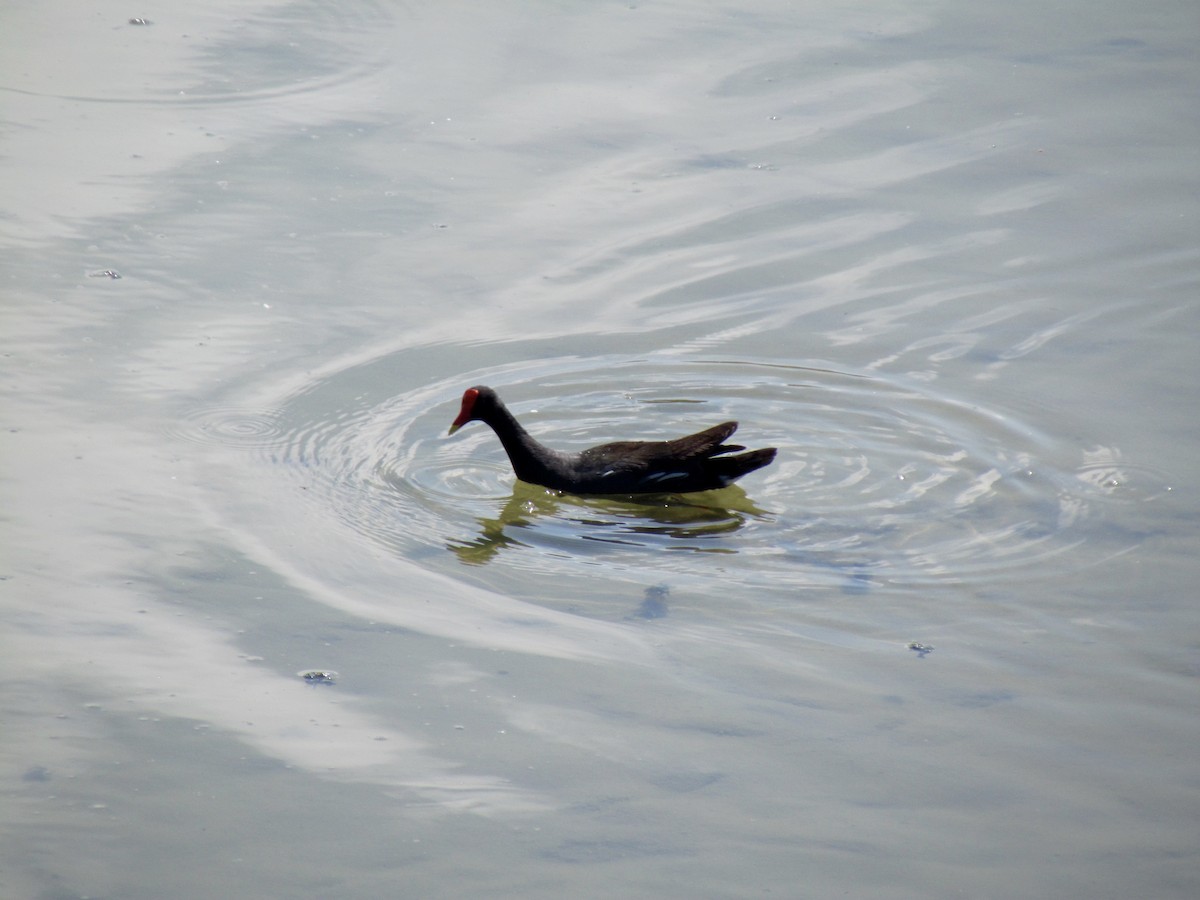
(730, 468)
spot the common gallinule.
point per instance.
(693, 463)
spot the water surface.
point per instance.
(942, 257)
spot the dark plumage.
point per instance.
(697, 462)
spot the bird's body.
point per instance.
(697, 462)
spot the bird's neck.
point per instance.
(530, 460)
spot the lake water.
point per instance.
(943, 256)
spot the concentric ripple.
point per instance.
(231, 427)
(879, 484)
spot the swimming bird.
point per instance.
(697, 462)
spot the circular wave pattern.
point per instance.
(878, 484)
(337, 49)
(232, 427)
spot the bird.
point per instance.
(697, 462)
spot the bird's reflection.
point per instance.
(626, 520)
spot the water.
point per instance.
(942, 258)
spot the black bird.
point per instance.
(697, 462)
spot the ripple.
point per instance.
(1105, 470)
(231, 427)
(457, 481)
(879, 483)
(329, 52)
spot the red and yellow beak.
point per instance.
(464, 414)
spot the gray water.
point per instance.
(943, 256)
